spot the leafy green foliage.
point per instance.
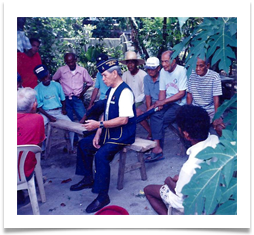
(214, 38)
(68, 34)
(157, 34)
(213, 184)
(59, 35)
(229, 110)
(213, 189)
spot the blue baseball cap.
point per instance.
(107, 65)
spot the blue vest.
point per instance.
(124, 134)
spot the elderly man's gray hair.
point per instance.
(117, 68)
(25, 99)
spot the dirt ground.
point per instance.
(59, 174)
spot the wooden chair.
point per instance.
(22, 182)
(139, 146)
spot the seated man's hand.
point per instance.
(83, 119)
(218, 125)
(51, 118)
(91, 125)
(96, 139)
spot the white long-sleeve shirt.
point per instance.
(186, 172)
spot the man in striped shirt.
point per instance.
(204, 88)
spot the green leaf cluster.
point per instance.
(214, 38)
(59, 35)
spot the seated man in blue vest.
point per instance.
(116, 129)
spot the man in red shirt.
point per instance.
(30, 125)
(27, 61)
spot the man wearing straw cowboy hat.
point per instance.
(134, 77)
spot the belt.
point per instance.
(52, 109)
(70, 97)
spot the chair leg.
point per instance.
(33, 196)
(38, 174)
(69, 143)
(121, 169)
(140, 157)
(48, 141)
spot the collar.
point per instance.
(205, 74)
(157, 79)
(195, 149)
(66, 69)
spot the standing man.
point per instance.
(204, 88)
(134, 77)
(72, 77)
(116, 129)
(27, 61)
(173, 85)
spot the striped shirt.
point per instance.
(204, 88)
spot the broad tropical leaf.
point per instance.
(229, 112)
(206, 187)
(215, 38)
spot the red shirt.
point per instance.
(26, 67)
(30, 131)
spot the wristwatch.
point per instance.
(101, 125)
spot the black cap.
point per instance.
(41, 71)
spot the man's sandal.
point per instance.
(154, 157)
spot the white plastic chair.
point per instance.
(30, 185)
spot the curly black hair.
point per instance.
(194, 120)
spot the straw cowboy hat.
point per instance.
(131, 55)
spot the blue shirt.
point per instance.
(101, 85)
(49, 97)
(151, 88)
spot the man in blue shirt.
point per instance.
(151, 81)
(50, 99)
(99, 86)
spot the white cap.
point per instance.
(152, 63)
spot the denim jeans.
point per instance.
(75, 105)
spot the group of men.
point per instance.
(123, 98)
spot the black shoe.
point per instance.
(81, 185)
(97, 205)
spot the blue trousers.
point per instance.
(161, 119)
(103, 156)
(75, 105)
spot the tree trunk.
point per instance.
(135, 39)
